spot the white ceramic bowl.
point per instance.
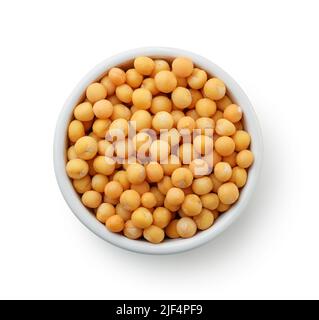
(168, 246)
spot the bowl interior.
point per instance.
(169, 245)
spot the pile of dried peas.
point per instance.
(181, 166)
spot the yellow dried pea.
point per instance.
(182, 67)
(182, 178)
(245, 159)
(228, 193)
(86, 148)
(142, 98)
(214, 89)
(148, 200)
(84, 111)
(144, 65)
(131, 231)
(162, 120)
(142, 218)
(91, 199)
(103, 109)
(233, 113)
(165, 81)
(192, 206)
(113, 189)
(104, 211)
(205, 107)
(130, 200)
(186, 227)
(117, 76)
(197, 79)
(239, 177)
(204, 220)
(108, 85)
(76, 130)
(115, 223)
(154, 234)
(142, 119)
(154, 172)
(181, 98)
(95, 92)
(161, 217)
(124, 93)
(77, 168)
(171, 229)
(133, 78)
(82, 185)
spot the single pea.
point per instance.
(113, 190)
(91, 199)
(103, 109)
(231, 160)
(186, 125)
(165, 81)
(196, 95)
(214, 89)
(95, 92)
(82, 185)
(175, 196)
(104, 165)
(171, 229)
(245, 159)
(228, 193)
(202, 185)
(104, 211)
(124, 92)
(84, 111)
(154, 172)
(225, 146)
(77, 168)
(159, 150)
(165, 184)
(120, 111)
(142, 119)
(204, 220)
(148, 200)
(86, 148)
(118, 129)
(154, 234)
(192, 205)
(133, 78)
(197, 79)
(233, 113)
(205, 125)
(210, 201)
(223, 171)
(223, 103)
(122, 212)
(108, 85)
(241, 139)
(99, 182)
(76, 130)
(158, 195)
(203, 144)
(171, 207)
(161, 103)
(186, 227)
(142, 98)
(199, 168)
(160, 65)
(141, 188)
(132, 232)
(161, 217)
(71, 154)
(144, 65)
(173, 162)
(130, 200)
(223, 207)
(205, 107)
(136, 173)
(182, 178)
(121, 177)
(177, 115)
(225, 127)
(115, 223)
(149, 84)
(181, 97)
(117, 76)
(100, 127)
(182, 67)
(239, 177)
(162, 121)
(142, 218)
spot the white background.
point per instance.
(271, 49)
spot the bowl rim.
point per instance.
(169, 246)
